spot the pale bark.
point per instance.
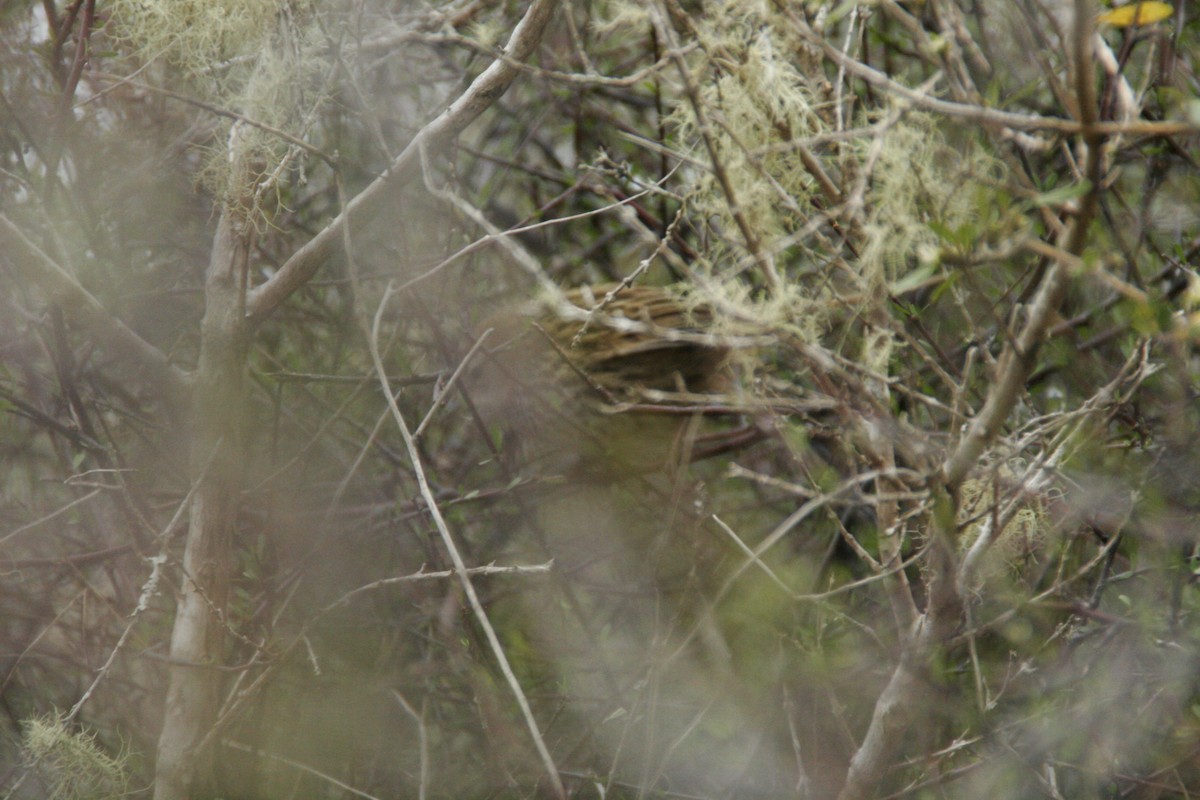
(216, 458)
(186, 744)
(895, 718)
(434, 138)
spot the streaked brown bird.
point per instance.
(561, 370)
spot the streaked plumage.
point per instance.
(643, 338)
(557, 365)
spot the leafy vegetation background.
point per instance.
(944, 543)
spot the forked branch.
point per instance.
(434, 138)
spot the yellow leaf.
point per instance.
(1136, 14)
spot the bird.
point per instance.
(562, 365)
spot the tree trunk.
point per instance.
(184, 773)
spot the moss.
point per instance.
(71, 765)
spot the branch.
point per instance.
(749, 234)
(435, 137)
(990, 116)
(460, 566)
(897, 710)
(168, 381)
(1020, 356)
(118, 80)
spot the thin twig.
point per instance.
(422, 742)
(436, 136)
(143, 358)
(460, 566)
(990, 116)
(302, 767)
(445, 390)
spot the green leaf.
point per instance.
(913, 279)
(1059, 196)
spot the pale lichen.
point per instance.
(70, 764)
